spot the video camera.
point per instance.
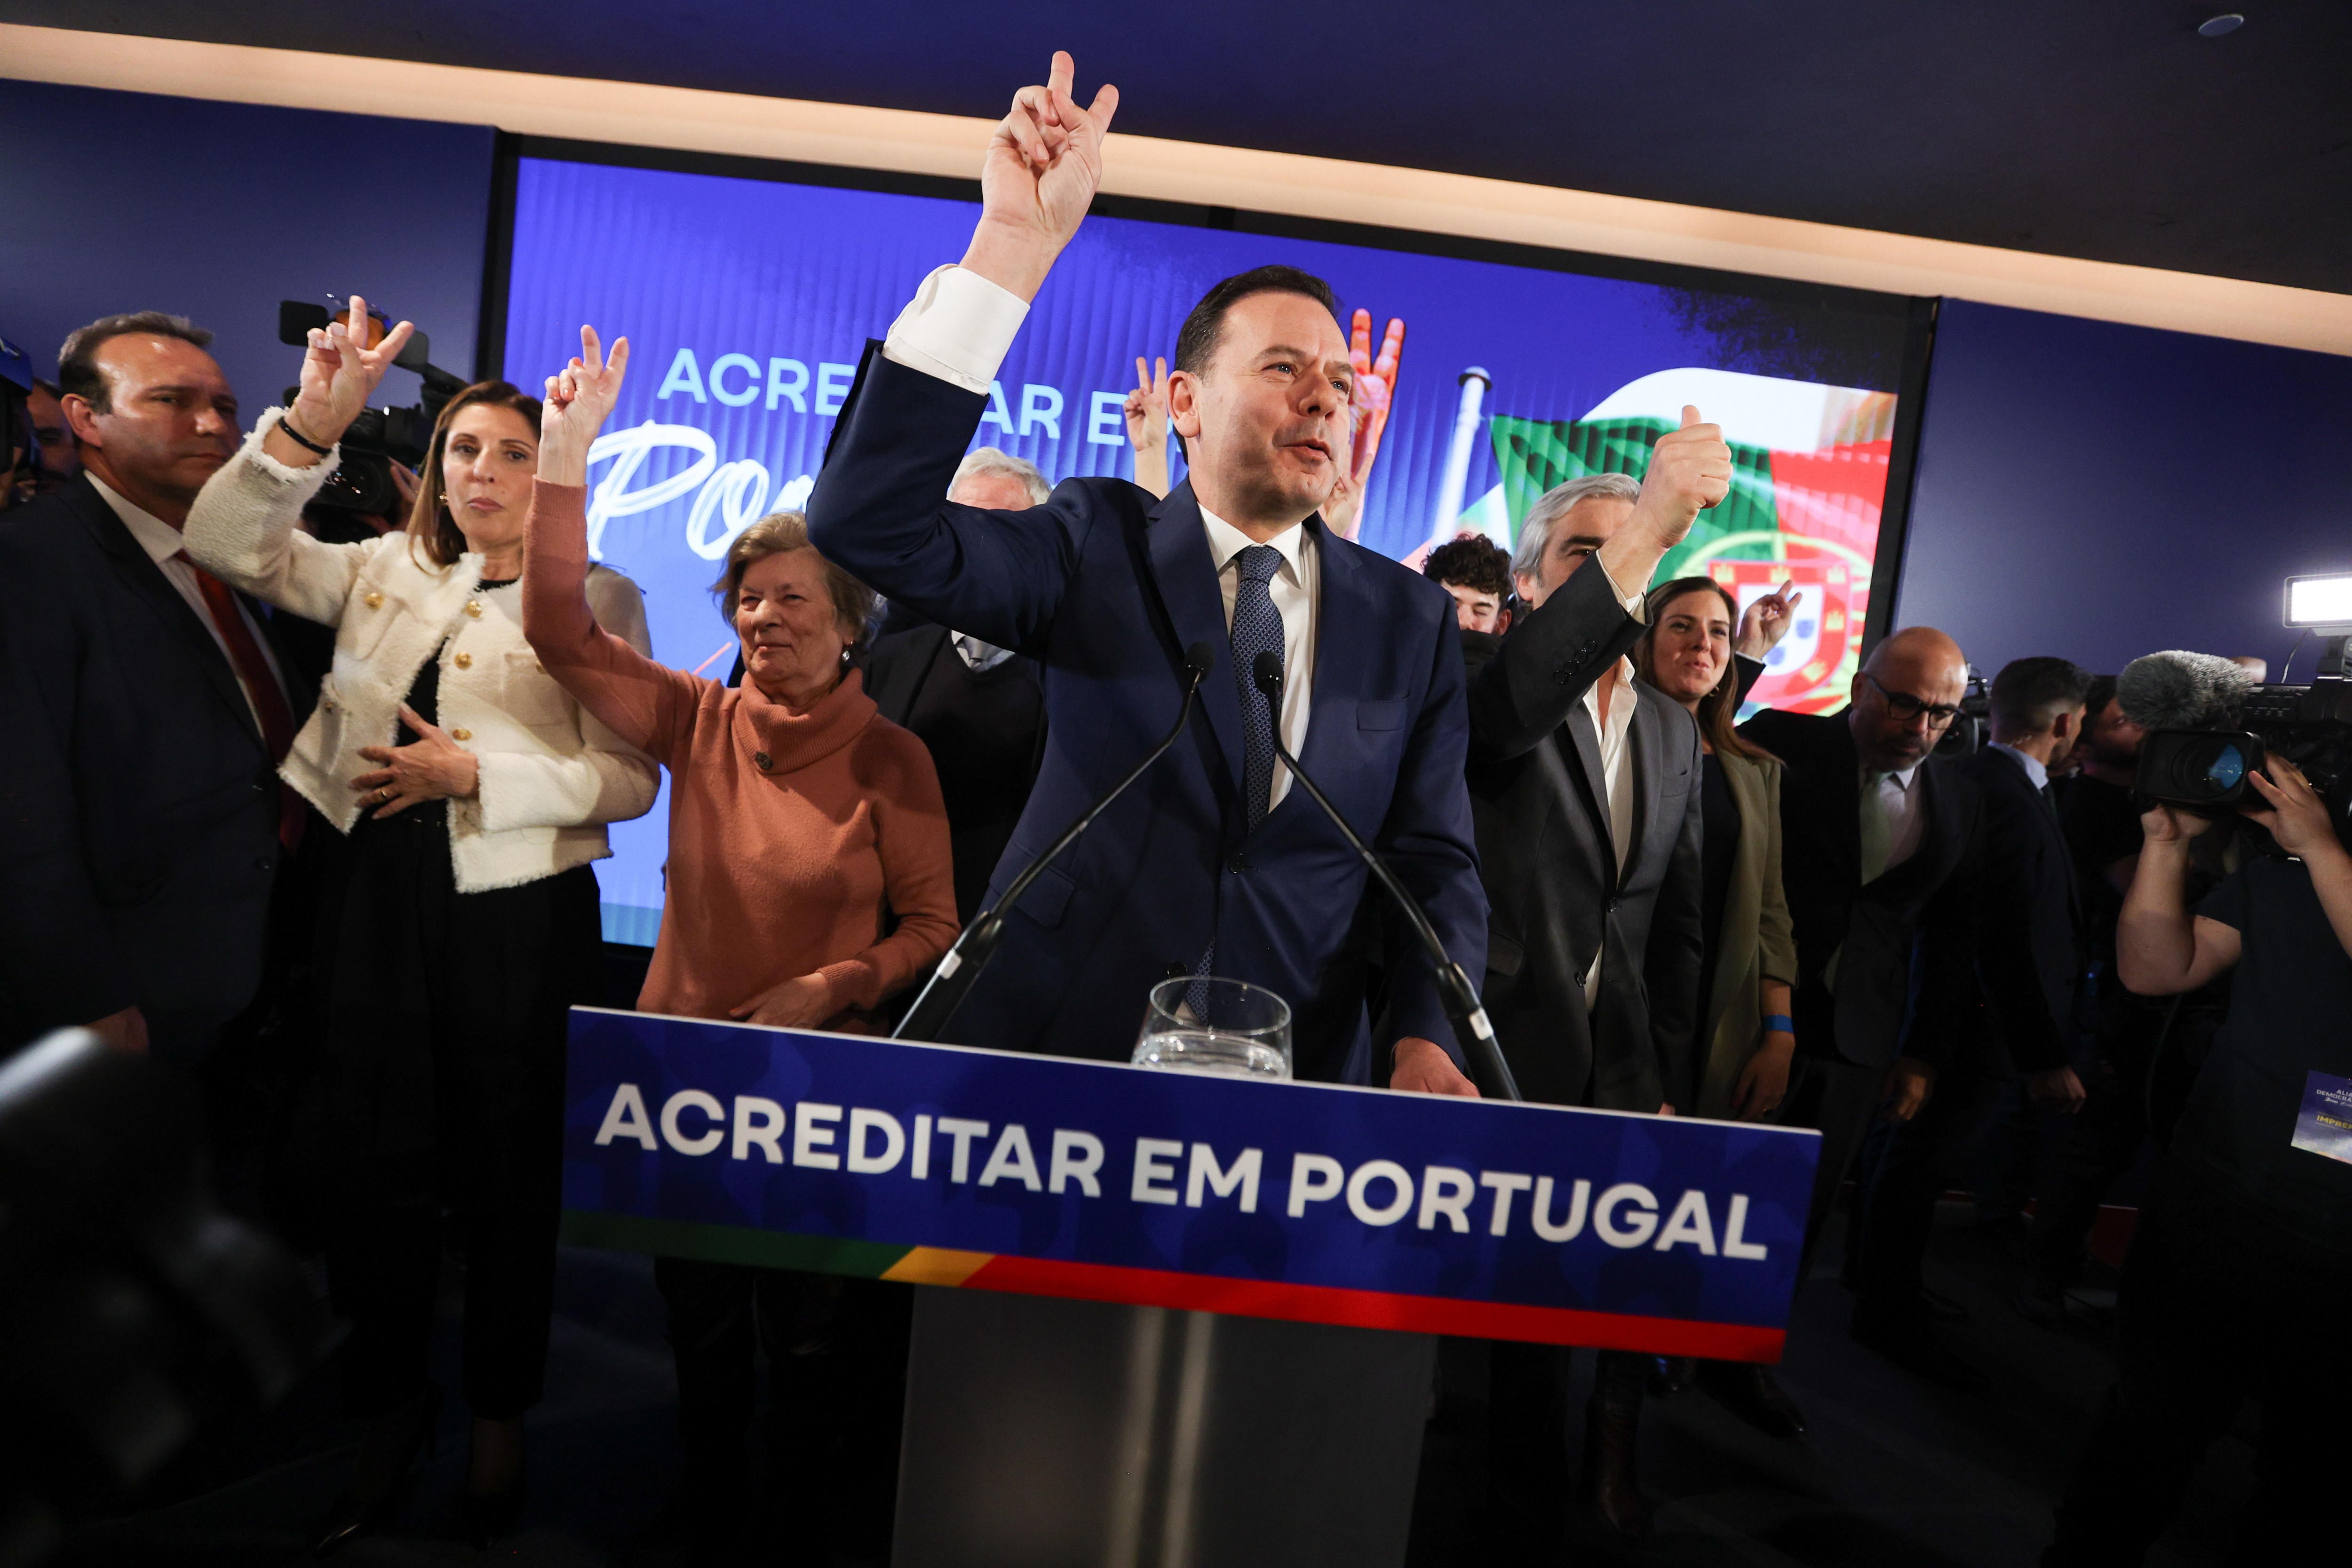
(2210, 724)
(379, 437)
(1967, 734)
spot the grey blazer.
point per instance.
(1557, 896)
(1756, 943)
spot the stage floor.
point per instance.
(1896, 1470)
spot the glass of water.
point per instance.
(1231, 1027)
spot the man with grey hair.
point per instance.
(1547, 554)
(993, 478)
(1584, 791)
(980, 708)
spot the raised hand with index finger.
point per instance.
(1043, 166)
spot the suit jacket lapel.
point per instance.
(147, 580)
(1187, 581)
(1647, 743)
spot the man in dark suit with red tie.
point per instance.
(143, 826)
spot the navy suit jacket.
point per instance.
(1991, 1001)
(1106, 586)
(139, 812)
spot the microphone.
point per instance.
(1472, 1030)
(2181, 691)
(957, 973)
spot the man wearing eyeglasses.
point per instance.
(1880, 839)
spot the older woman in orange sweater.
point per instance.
(801, 821)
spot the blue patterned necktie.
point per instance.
(1257, 628)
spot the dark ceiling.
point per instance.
(2104, 129)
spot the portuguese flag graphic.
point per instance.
(1809, 479)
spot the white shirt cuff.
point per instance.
(1632, 602)
(958, 327)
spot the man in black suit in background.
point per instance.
(2022, 877)
(980, 708)
(141, 822)
(1584, 791)
(1875, 835)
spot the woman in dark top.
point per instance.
(1744, 1038)
(1746, 1041)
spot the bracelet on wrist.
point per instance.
(1780, 1023)
(286, 424)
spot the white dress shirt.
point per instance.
(959, 327)
(978, 656)
(162, 542)
(1618, 784)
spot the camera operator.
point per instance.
(2242, 1262)
(2143, 1050)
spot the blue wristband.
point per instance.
(1780, 1023)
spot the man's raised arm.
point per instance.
(877, 509)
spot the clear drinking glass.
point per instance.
(1225, 1026)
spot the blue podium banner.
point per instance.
(987, 1169)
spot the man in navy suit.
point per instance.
(1213, 862)
(143, 826)
(2023, 882)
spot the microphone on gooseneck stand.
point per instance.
(957, 973)
(1472, 1031)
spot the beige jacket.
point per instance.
(1757, 941)
(551, 776)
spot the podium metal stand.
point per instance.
(1044, 1433)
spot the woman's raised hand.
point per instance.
(578, 399)
(340, 371)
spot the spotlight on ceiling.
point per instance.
(2217, 27)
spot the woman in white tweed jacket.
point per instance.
(458, 919)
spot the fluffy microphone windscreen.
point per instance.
(2177, 690)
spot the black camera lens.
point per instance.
(2198, 767)
(2227, 770)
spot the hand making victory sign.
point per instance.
(578, 398)
(1373, 389)
(1764, 622)
(340, 371)
(1147, 425)
(1044, 165)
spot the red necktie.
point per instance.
(261, 684)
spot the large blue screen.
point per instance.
(747, 303)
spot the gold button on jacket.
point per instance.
(375, 601)
(463, 661)
(474, 608)
(461, 734)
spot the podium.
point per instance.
(1172, 1318)
(1044, 1433)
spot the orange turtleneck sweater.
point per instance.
(787, 832)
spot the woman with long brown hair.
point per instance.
(1746, 1041)
(459, 919)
